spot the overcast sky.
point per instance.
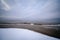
(31, 10)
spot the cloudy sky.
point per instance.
(31, 10)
